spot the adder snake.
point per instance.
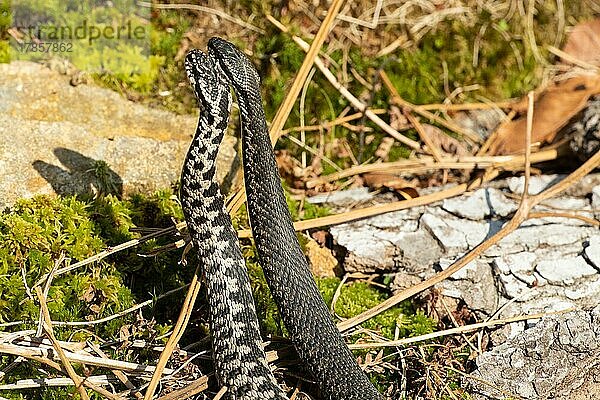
(240, 360)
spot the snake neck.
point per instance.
(306, 316)
(240, 360)
(263, 183)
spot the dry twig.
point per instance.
(506, 163)
(203, 9)
(378, 209)
(47, 325)
(178, 329)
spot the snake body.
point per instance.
(240, 360)
(305, 314)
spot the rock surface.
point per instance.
(547, 264)
(54, 135)
(596, 198)
(555, 359)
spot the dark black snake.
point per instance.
(240, 360)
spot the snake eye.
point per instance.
(200, 70)
(236, 65)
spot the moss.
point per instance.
(268, 314)
(304, 210)
(34, 235)
(359, 297)
(5, 24)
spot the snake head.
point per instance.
(240, 71)
(207, 81)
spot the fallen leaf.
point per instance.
(89, 294)
(95, 308)
(320, 237)
(125, 333)
(552, 110)
(379, 180)
(584, 42)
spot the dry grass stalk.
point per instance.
(118, 373)
(512, 163)
(104, 319)
(330, 124)
(23, 338)
(42, 352)
(424, 113)
(286, 107)
(455, 331)
(378, 209)
(573, 60)
(112, 250)
(493, 137)
(47, 325)
(465, 106)
(582, 218)
(522, 214)
(46, 382)
(199, 385)
(433, 149)
(178, 329)
(220, 393)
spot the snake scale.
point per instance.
(240, 361)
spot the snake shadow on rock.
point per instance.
(80, 175)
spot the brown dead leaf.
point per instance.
(584, 42)
(125, 333)
(445, 142)
(320, 237)
(320, 259)
(408, 193)
(552, 110)
(379, 180)
(316, 166)
(95, 308)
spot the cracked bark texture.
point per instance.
(548, 264)
(559, 358)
